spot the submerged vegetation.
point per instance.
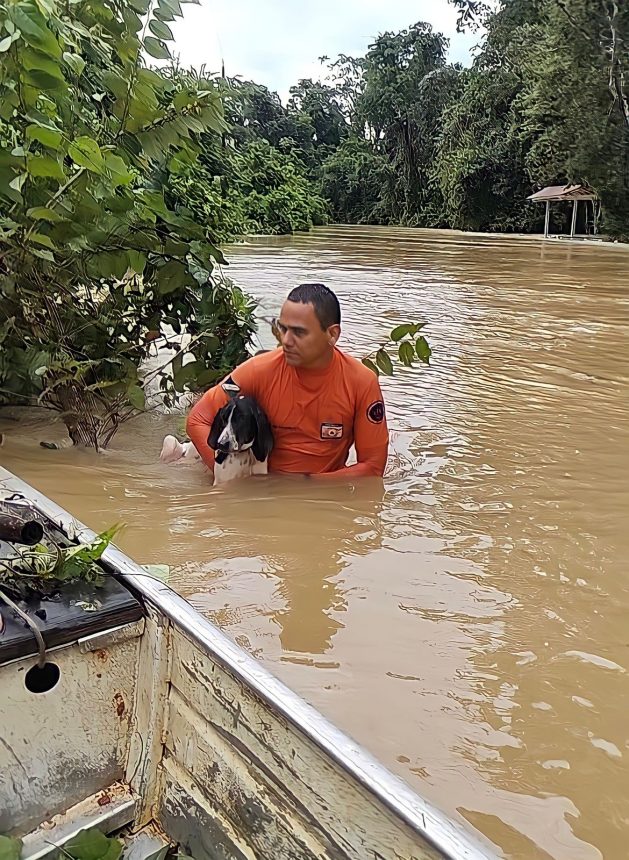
(119, 182)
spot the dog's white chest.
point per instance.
(240, 464)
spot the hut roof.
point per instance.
(563, 192)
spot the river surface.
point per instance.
(468, 621)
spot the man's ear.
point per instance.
(334, 333)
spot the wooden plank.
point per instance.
(337, 812)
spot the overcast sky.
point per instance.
(276, 42)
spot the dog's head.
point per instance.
(238, 426)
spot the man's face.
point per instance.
(304, 342)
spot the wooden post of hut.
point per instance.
(562, 193)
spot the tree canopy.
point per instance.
(119, 181)
(546, 101)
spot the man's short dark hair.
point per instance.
(325, 303)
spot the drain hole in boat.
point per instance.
(41, 679)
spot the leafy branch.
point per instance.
(409, 345)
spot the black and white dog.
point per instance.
(242, 438)
(240, 435)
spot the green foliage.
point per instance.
(479, 164)
(407, 346)
(261, 190)
(95, 268)
(89, 844)
(43, 570)
(546, 102)
(321, 105)
(257, 181)
(355, 179)
(93, 845)
(86, 845)
(10, 848)
(118, 182)
(574, 100)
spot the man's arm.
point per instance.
(371, 437)
(199, 422)
(202, 414)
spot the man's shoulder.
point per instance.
(262, 362)
(358, 374)
(248, 375)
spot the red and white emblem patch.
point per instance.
(331, 431)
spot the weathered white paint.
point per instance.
(59, 747)
(257, 815)
(278, 796)
(113, 636)
(234, 765)
(150, 713)
(149, 844)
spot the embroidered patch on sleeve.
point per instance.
(375, 413)
(331, 431)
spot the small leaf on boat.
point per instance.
(88, 606)
(158, 571)
(10, 848)
(93, 845)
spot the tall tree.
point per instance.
(395, 110)
(320, 103)
(572, 61)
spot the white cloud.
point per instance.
(276, 42)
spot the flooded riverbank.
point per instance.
(467, 620)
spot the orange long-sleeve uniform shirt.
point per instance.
(316, 415)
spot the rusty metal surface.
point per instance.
(58, 747)
(107, 810)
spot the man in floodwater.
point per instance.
(318, 400)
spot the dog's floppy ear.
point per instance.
(218, 425)
(263, 442)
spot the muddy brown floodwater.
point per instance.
(468, 622)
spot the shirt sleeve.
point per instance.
(203, 413)
(371, 435)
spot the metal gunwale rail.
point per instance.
(430, 824)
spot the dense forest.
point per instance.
(119, 180)
(400, 136)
